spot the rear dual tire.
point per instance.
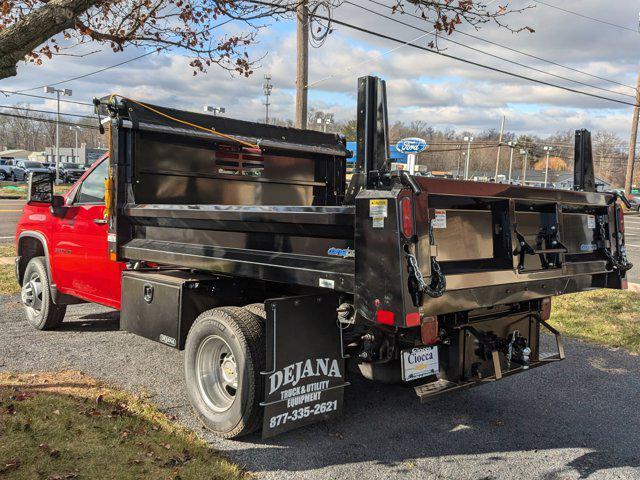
(224, 355)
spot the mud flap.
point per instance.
(305, 377)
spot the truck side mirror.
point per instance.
(40, 187)
(58, 207)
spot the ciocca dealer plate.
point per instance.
(419, 362)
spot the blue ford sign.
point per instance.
(411, 145)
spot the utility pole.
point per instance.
(267, 87)
(628, 183)
(302, 70)
(58, 91)
(495, 178)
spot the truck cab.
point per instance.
(68, 237)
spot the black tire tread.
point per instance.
(249, 331)
(253, 329)
(257, 309)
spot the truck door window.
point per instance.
(92, 189)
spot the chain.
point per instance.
(438, 283)
(622, 263)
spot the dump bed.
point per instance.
(271, 203)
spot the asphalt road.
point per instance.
(10, 211)
(576, 419)
(632, 237)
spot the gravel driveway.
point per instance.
(576, 419)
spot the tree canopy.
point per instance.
(37, 30)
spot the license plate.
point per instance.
(419, 362)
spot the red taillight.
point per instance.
(429, 330)
(412, 319)
(406, 211)
(545, 310)
(385, 317)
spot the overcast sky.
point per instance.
(421, 85)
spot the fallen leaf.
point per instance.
(338, 435)
(167, 446)
(22, 396)
(498, 422)
(10, 465)
(56, 412)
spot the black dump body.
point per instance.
(272, 203)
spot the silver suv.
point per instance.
(10, 170)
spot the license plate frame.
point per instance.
(419, 362)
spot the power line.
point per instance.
(47, 120)
(491, 42)
(477, 64)
(14, 107)
(599, 20)
(87, 74)
(12, 92)
(491, 54)
(114, 65)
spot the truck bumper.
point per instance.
(429, 390)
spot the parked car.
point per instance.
(50, 165)
(26, 166)
(70, 172)
(9, 170)
(634, 200)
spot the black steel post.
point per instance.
(583, 175)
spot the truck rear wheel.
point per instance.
(224, 355)
(39, 308)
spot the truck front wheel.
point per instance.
(224, 355)
(39, 308)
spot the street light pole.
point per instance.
(468, 159)
(214, 110)
(525, 162)
(58, 91)
(512, 146)
(546, 170)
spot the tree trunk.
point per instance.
(36, 28)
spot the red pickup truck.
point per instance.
(64, 259)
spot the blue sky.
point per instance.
(421, 86)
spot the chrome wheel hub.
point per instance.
(32, 293)
(217, 373)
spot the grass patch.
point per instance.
(7, 250)
(66, 425)
(20, 189)
(605, 317)
(8, 283)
